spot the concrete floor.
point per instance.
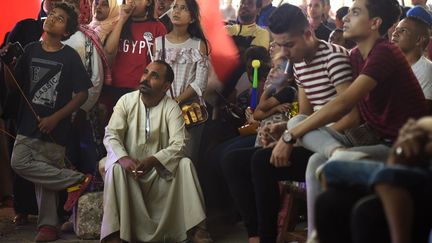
(220, 231)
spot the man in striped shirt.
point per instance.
(322, 71)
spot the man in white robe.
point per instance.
(151, 193)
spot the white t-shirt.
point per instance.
(423, 71)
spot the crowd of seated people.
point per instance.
(111, 97)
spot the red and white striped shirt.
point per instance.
(329, 68)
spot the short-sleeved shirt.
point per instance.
(397, 95)
(133, 55)
(261, 36)
(190, 66)
(48, 80)
(423, 71)
(329, 68)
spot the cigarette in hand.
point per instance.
(137, 171)
(273, 138)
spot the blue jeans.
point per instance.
(364, 173)
(323, 141)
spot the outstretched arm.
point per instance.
(338, 107)
(331, 112)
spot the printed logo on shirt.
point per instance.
(132, 46)
(148, 36)
(45, 77)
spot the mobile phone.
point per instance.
(14, 50)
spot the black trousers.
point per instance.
(24, 200)
(351, 215)
(253, 184)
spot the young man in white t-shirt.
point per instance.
(412, 35)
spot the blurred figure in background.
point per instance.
(326, 17)
(266, 10)
(340, 13)
(105, 16)
(336, 37)
(162, 11)
(315, 11)
(229, 13)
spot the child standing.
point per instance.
(49, 73)
(131, 42)
(186, 51)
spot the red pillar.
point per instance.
(12, 11)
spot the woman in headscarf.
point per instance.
(105, 16)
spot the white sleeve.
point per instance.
(96, 79)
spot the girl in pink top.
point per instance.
(186, 50)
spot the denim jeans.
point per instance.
(323, 141)
(351, 173)
(344, 202)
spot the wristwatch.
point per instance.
(288, 138)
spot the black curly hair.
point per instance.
(72, 20)
(288, 19)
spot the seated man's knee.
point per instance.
(17, 163)
(315, 161)
(186, 162)
(15, 166)
(296, 120)
(101, 167)
(115, 170)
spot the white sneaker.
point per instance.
(313, 238)
(348, 155)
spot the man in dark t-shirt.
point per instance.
(49, 73)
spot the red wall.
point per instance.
(12, 11)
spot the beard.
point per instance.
(247, 18)
(145, 89)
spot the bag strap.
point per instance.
(163, 48)
(240, 29)
(163, 58)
